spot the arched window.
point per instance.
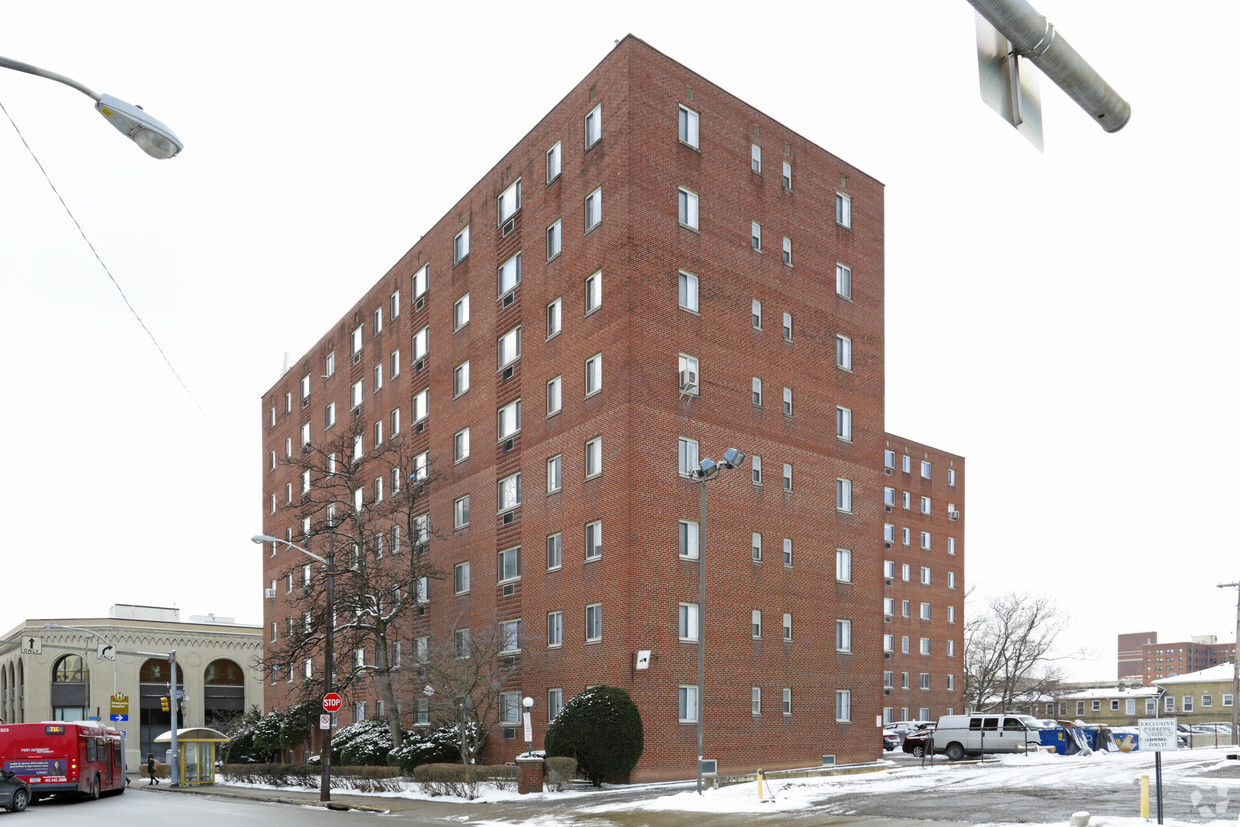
(70, 669)
(223, 673)
(223, 693)
(70, 683)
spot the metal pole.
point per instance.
(1235, 666)
(701, 687)
(325, 756)
(173, 768)
(1032, 36)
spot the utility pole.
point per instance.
(1235, 668)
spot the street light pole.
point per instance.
(325, 753)
(156, 139)
(1235, 668)
(707, 470)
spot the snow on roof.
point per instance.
(1113, 692)
(1222, 672)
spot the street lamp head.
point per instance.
(259, 539)
(733, 458)
(527, 702)
(156, 139)
(707, 469)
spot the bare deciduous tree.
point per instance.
(367, 511)
(1010, 654)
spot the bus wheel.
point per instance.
(20, 799)
(94, 789)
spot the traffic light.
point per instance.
(163, 702)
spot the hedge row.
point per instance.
(463, 780)
(357, 779)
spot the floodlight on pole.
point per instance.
(707, 470)
(155, 139)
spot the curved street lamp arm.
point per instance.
(8, 63)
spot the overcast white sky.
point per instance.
(1064, 320)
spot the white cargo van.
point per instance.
(961, 735)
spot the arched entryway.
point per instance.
(154, 678)
(70, 688)
(223, 693)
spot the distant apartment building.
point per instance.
(1131, 660)
(657, 272)
(1168, 660)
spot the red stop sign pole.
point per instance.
(331, 702)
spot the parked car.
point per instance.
(961, 735)
(903, 728)
(917, 743)
(890, 740)
(14, 793)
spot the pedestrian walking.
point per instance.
(151, 764)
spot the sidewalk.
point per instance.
(544, 811)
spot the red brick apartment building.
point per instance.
(655, 273)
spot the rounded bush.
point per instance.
(602, 729)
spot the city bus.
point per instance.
(83, 758)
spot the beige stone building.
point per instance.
(49, 671)
(1114, 705)
(1206, 696)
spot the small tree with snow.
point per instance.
(602, 728)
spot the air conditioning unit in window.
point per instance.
(357, 357)
(688, 379)
(420, 427)
(887, 655)
(509, 516)
(507, 228)
(886, 690)
(509, 588)
(953, 515)
(508, 371)
(887, 508)
(886, 545)
(270, 594)
(508, 300)
(510, 734)
(887, 471)
(509, 444)
(418, 365)
(420, 303)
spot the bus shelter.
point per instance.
(197, 746)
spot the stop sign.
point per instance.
(331, 702)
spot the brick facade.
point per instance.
(640, 249)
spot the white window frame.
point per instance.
(508, 492)
(687, 621)
(843, 705)
(508, 203)
(843, 494)
(787, 626)
(508, 565)
(594, 374)
(755, 314)
(555, 394)
(787, 251)
(687, 540)
(594, 540)
(688, 291)
(788, 476)
(843, 565)
(555, 629)
(555, 320)
(460, 445)
(843, 424)
(594, 622)
(460, 379)
(756, 387)
(508, 276)
(508, 348)
(688, 126)
(593, 128)
(555, 551)
(688, 208)
(555, 479)
(593, 209)
(460, 313)
(843, 210)
(843, 352)
(460, 512)
(460, 247)
(687, 704)
(555, 239)
(508, 419)
(755, 159)
(460, 578)
(686, 456)
(787, 176)
(594, 457)
(755, 236)
(843, 281)
(553, 162)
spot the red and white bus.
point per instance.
(84, 758)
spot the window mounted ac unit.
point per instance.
(886, 545)
(509, 444)
(420, 427)
(508, 372)
(953, 515)
(510, 734)
(270, 594)
(357, 357)
(887, 508)
(418, 365)
(305, 401)
(507, 228)
(508, 300)
(357, 411)
(887, 471)
(420, 303)
(509, 517)
(509, 588)
(688, 379)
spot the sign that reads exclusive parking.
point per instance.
(1157, 734)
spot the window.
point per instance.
(553, 240)
(460, 578)
(787, 701)
(907, 499)
(509, 201)
(843, 635)
(906, 463)
(553, 396)
(755, 624)
(925, 470)
(925, 611)
(755, 235)
(594, 126)
(755, 700)
(925, 505)
(422, 276)
(554, 552)
(688, 127)
(843, 281)
(787, 476)
(553, 474)
(1186, 703)
(787, 176)
(951, 614)
(688, 621)
(843, 424)
(756, 314)
(594, 540)
(925, 646)
(756, 545)
(757, 392)
(687, 456)
(355, 347)
(925, 575)
(787, 327)
(687, 704)
(925, 540)
(394, 365)
(904, 572)
(594, 374)
(904, 651)
(755, 158)
(305, 387)
(843, 705)
(594, 622)
(904, 608)
(509, 708)
(555, 703)
(1169, 703)
(509, 492)
(594, 209)
(378, 378)
(688, 292)
(925, 681)
(594, 457)
(460, 445)
(688, 546)
(510, 637)
(889, 606)
(420, 340)
(553, 162)
(687, 209)
(510, 564)
(889, 643)
(509, 420)
(420, 465)
(787, 251)
(788, 551)
(755, 465)
(787, 401)
(509, 275)
(460, 312)
(555, 629)
(1228, 699)
(461, 643)
(355, 395)
(421, 405)
(460, 512)
(787, 626)
(460, 247)
(843, 210)
(329, 367)
(843, 565)
(843, 352)
(684, 363)
(889, 459)
(553, 319)
(508, 348)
